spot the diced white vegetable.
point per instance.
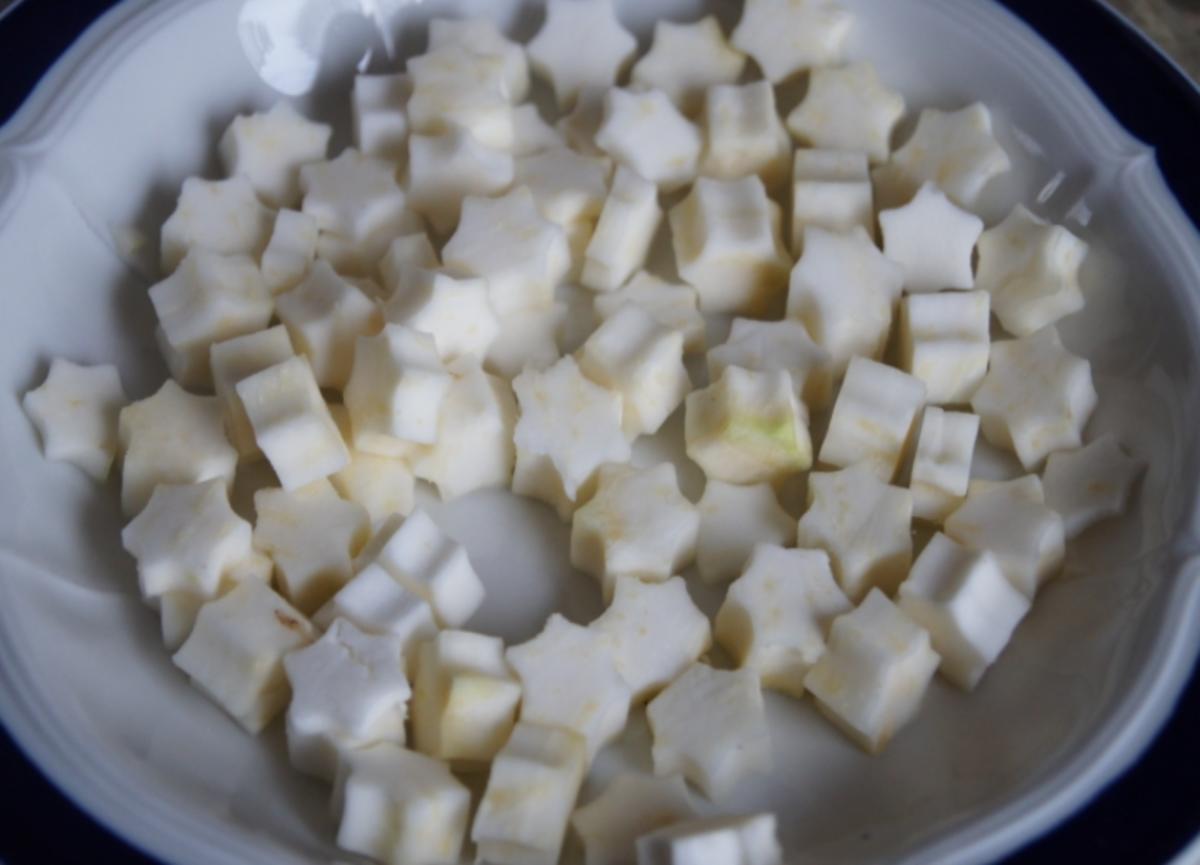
(567, 187)
(292, 424)
(221, 216)
(945, 342)
(1031, 269)
(464, 698)
(645, 131)
(847, 108)
(507, 241)
(239, 358)
(527, 338)
(655, 632)
(376, 602)
(744, 135)
(963, 599)
(445, 168)
(236, 649)
(831, 189)
(713, 841)
(569, 678)
(348, 691)
(531, 133)
(941, 467)
(353, 196)
(1036, 398)
(1091, 484)
(400, 807)
(748, 427)
(777, 345)
(405, 256)
(874, 673)
(623, 234)
(535, 779)
(172, 437)
(569, 427)
(776, 615)
(631, 805)
(932, 240)
(734, 519)
(290, 251)
(481, 36)
(1011, 521)
(727, 245)
(673, 306)
(312, 535)
(710, 725)
(324, 316)
(382, 485)
(268, 149)
(453, 87)
(864, 525)
(787, 36)
(873, 418)
(684, 60)
(75, 411)
(581, 46)
(378, 122)
(456, 312)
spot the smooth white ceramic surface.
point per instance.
(86, 688)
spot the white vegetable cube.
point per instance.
(395, 391)
(772, 345)
(379, 125)
(569, 426)
(945, 342)
(506, 240)
(965, 602)
(1012, 521)
(632, 354)
(474, 449)
(933, 240)
(734, 519)
(531, 791)
(567, 187)
(1031, 269)
(744, 135)
(423, 559)
(873, 418)
(453, 87)
(456, 312)
(673, 306)
(312, 535)
(268, 149)
(239, 358)
(842, 290)
(748, 427)
(776, 615)
(209, 298)
(481, 36)
(1091, 484)
(727, 245)
(401, 808)
(645, 131)
(221, 216)
(465, 697)
(874, 673)
(864, 526)
(710, 725)
(786, 36)
(348, 691)
(290, 251)
(685, 60)
(655, 632)
(831, 189)
(570, 679)
(324, 316)
(383, 485)
(847, 108)
(631, 805)
(75, 411)
(236, 649)
(444, 169)
(573, 65)
(406, 256)
(187, 538)
(1036, 398)
(954, 149)
(292, 424)
(624, 232)
(172, 437)
(749, 840)
(376, 602)
(941, 468)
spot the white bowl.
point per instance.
(86, 688)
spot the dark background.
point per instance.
(1147, 816)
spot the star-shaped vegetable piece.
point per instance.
(1090, 484)
(75, 411)
(582, 45)
(646, 132)
(847, 108)
(932, 240)
(631, 806)
(684, 60)
(786, 36)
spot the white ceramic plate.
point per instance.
(87, 690)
